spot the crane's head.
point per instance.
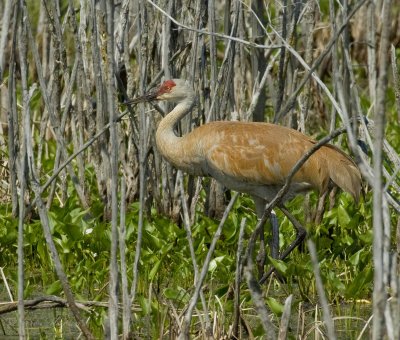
(174, 90)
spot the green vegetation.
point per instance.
(71, 44)
(343, 239)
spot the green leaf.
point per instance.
(77, 214)
(176, 294)
(171, 293)
(166, 248)
(42, 251)
(201, 245)
(333, 282)
(367, 237)
(130, 229)
(279, 265)
(230, 232)
(343, 216)
(275, 306)
(145, 305)
(154, 270)
(355, 258)
(29, 289)
(54, 289)
(214, 263)
(347, 239)
(359, 283)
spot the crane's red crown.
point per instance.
(172, 89)
(166, 87)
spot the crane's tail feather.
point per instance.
(344, 172)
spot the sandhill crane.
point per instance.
(249, 157)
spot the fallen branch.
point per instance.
(44, 302)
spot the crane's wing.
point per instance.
(265, 154)
(258, 153)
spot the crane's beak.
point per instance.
(148, 97)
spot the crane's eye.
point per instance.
(166, 87)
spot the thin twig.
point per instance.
(238, 279)
(192, 303)
(311, 70)
(114, 141)
(396, 79)
(56, 259)
(62, 166)
(22, 174)
(143, 29)
(7, 15)
(285, 319)
(258, 87)
(218, 35)
(6, 284)
(126, 301)
(321, 293)
(258, 299)
(187, 226)
(379, 293)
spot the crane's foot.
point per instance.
(301, 235)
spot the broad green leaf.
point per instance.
(42, 251)
(171, 293)
(359, 283)
(355, 258)
(154, 270)
(144, 303)
(166, 248)
(201, 245)
(343, 216)
(176, 294)
(333, 281)
(29, 289)
(275, 306)
(54, 288)
(77, 213)
(279, 265)
(130, 229)
(214, 263)
(367, 237)
(230, 233)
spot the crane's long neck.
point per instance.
(169, 144)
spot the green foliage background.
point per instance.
(82, 236)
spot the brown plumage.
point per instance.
(253, 158)
(250, 157)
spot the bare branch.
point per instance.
(258, 300)
(238, 279)
(379, 295)
(218, 35)
(188, 226)
(188, 315)
(54, 302)
(321, 293)
(283, 329)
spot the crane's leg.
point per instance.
(261, 256)
(275, 235)
(300, 236)
(300, 232)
